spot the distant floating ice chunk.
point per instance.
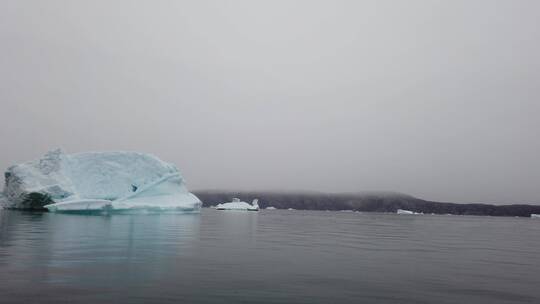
(270, 208)
(535, 216)
(97, 181)
(238, 205)
(403, 211)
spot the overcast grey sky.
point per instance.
(437, 99)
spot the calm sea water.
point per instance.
(268, 257)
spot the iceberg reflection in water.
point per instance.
(76, 255)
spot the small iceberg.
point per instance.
(270, 208)
(238, 205)
(403, 211)
(535, 215)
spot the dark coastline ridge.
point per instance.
(364, 201)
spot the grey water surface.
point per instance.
(274, 256)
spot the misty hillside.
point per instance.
(365, 201)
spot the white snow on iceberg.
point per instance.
(97, 181)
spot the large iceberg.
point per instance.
(97, 181)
